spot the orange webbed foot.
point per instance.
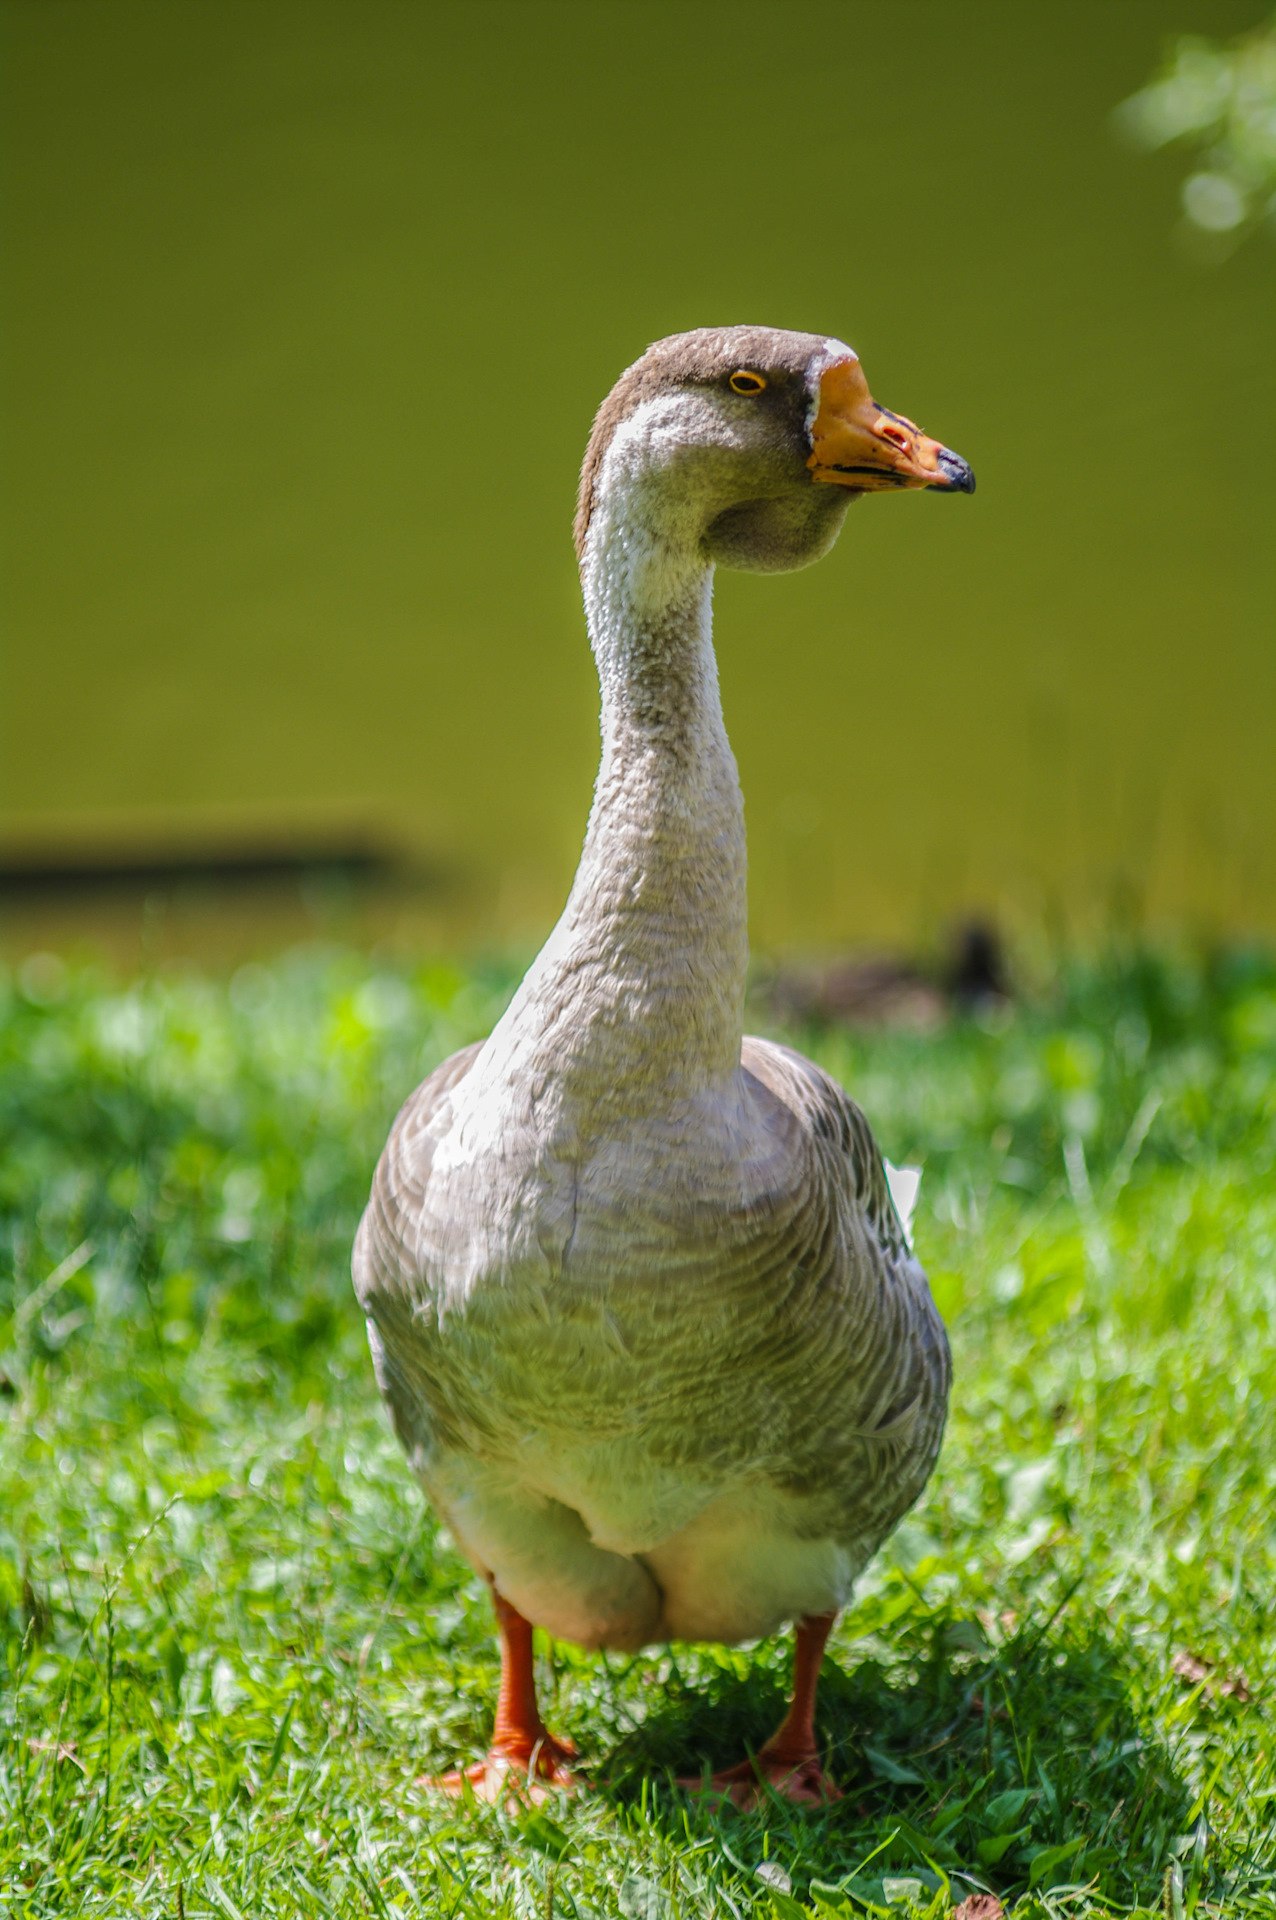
(788, 1765)
(515, 1770)
(797, 1777)
(524, 1761)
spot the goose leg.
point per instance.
(789, 1763)
(522, 1751)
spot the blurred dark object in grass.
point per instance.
(889, 991)
(92, 869)
(218, 897)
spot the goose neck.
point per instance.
(633, 1013)
(655, 929)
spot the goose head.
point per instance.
(747, 445)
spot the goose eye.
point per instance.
(742, 381)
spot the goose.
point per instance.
(640, 1306)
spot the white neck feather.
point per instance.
(637, 999)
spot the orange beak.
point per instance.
(856, 443)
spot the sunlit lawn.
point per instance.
(234, 1638)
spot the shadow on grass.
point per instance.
(994, 1764)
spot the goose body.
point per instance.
(639, 1303)
(698, 1457)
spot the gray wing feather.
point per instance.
(384, 1260)
(876, 1371)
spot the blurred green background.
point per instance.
(314, 303)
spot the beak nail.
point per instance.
(958, 477)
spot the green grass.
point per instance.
(234, 1638)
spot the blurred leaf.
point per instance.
(642, 1899)
(542, 1833)
(995, 1845)
(1048, 1858)
(1220, 100)
(1004, 1807)
(887, 1769)
(785, 1907)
